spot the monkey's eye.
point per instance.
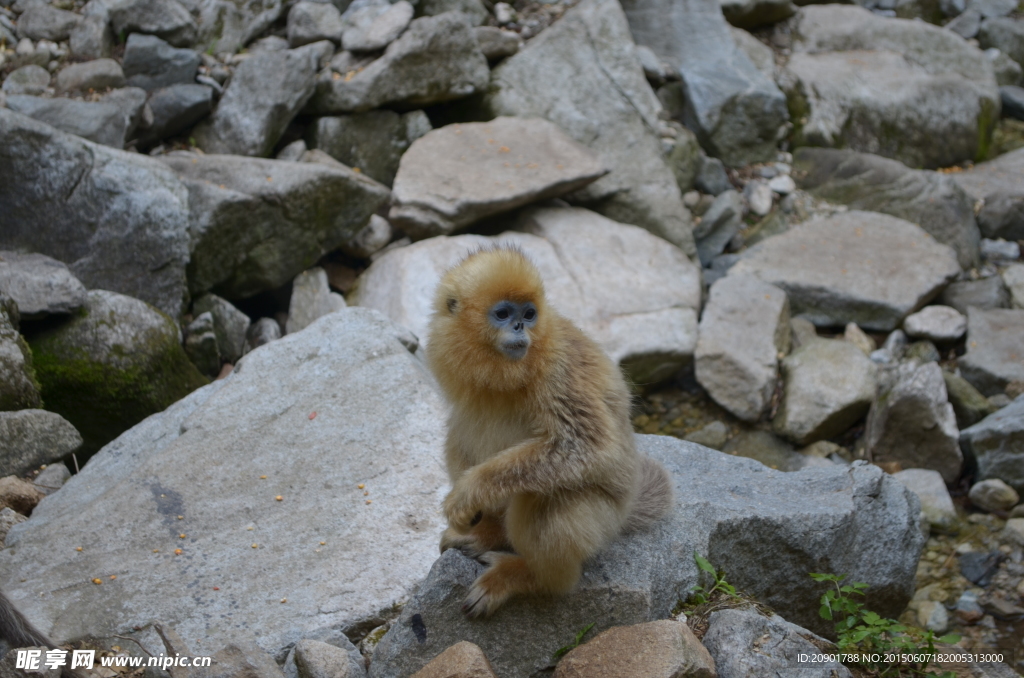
(530, 314)
(501, 314)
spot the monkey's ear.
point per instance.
(452, 304)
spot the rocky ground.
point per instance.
(798, 231)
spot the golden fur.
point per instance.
(540, 450)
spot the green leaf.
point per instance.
(825, 612)
(949, 638)
(703, 564)
(579, 636)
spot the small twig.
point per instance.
(136, 642)
(74, 457)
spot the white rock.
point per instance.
(1013, 278)
(759, 197)
(782, 184)
(993, 495)
(311, 299)
(936, 504)
(936, 323)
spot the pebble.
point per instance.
(759, 196)
(993, 495)
(782, 184)
(936, 323)
(996, 250)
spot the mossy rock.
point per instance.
(116, 362)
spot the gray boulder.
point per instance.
(496, 43)
(591, 275)
(744, 328)
(40, 285)
(436, 59)
(345, 385)
(373, 141)
(459, 174)
(996, 445)
(30, 438)
(98, 74)
(912, 422)
(315, 659)
(229, 325)
(132, 103)
(933, 201)
(375, 25)
(735, 512)
(151, 63)
(666, 647)
(167, 19)
(1013, 280)
(101, 122)
(91, 38)
(754, 13)
(941, 324)
(112, 365)
(827, 386)
(314, 21)
(311, 299)
(993, 357)
(1000, 184)
(770, 450)
(1005, 34)
(985, 293)
(227, 26)
(265, 93)
(258, 223)
(29, 79)
(861, 267)
(889, 87)
(175, 109)
(583, 74)
(936, 504)
(19, 388)
(968, 403)
(718, 226)
(40, 21)
(118, 220)
(1013, 101)
(993, 495)
(735, 110)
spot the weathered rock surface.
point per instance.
(736, 512)
(29, 438)
(936, 323)
(98, 74)
(936, 504)
(889, 87)
(229, 25)
(659, 649)
(8, 519)
(1005, 34)
(40, 21)
(968, 403)
(583, 74)
(722, 221)
(746, 644)
(754, 13)
(31, 79)
(1013, 279)
(770, 450)
(349, 367)
(229, 324)
(736, 111)
(827, 386)
(744, 328)
(167, 19)
(118, 220)
(151, 63)
(591, 276)
(257, 223)
(1000, 184)
(96, 121)
(459, 174)
(40, 285)
(312, 299)
(91, 38)
(912, 422)
(315, 659)
(995, 356)
(993, 495)
(265, 93)
(112, 365)
(984, 293)
(175, 109)
(461, 660)
(496, 43)
(862, 267)
(201, 345)
(436, 59)
(933, 201)
(314, 21)
(375, 26)
(18, 386)
(996, 444)
(373, 141)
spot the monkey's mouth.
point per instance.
(515, 350)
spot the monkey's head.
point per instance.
(490, 321)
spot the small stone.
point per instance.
(984, 293)
(40, 285)
(151, 63)
(99, 74)
(768, 449)
(30, 438)
(1014, 529)
(369, 29)
(936, 323)
(713, 435)
(52, 478)
(993, 357)
(1000, 250)
(936, 504)
(1013, 278)
(659, 648)
(968, 404)
(19, 495)
(782, 184)
(932, 615)
(993, 495)
(311, 300)
(30, 79)
(263, 331)
(229, 324)
(923, 351)
(201, 345)
(711, 176)
(371, 238)
(462, 660)
(496, 43)
(314, 21)
(504, 13)
(759, 196)
(802, 332)
(8, 519)
(856, 336)
(166, 19)
(979, 566)
(40, 21)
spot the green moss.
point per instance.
(986, 125)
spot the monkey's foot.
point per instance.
(467, 543)
(507, 575)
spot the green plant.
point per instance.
(579, 637)
(883, 646)
(702, 595)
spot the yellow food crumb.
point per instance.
(279, 498)
(97, 580)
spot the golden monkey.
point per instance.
(540, 449)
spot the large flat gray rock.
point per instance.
(118, 220)
(996, 443)
(461, 173)
(39, 284)
(736, 110)
(341, 403)
(889, 87)
(861, 267)
(591, 275)
(97, 121)
(30, 438)
(257, 223)
(1000, 184)
(995, 355)
(583, 74)
(736, 512)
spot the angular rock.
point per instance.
(373, 141)
(735, 110)
(984, 293)
(132, 102)
(743, 330)
(230, 25)
(999, 251)
(257, 223)
(311, 299)
(746, 644)
(40, 285)
(659, 649)
(19, 494)
(315, 659)
(99, 74)
(40, 21)
(240, 657)
(936, 504)
(993, 495)
(175, 109)
(862, 267)
(370, 239)
(933, 201)
(994, 355)
(19, 388)
(1013, 279)
(166, 19)
(754, 13)
(459, 174)
(30, 438)
(29, 79)
(1004, 33)
(1008, 71)
(111, 366)
(367, 389)
(151, 63)
(996, 444)
(589, 271)
(229, 324)
(912, 422)
(722, 221)
(769, 450)
(858, 338)
(265, 93)
(827, 386)
(100, 122)
(583, 74)
(118, 220)
(711, 177)
(1000, 184)
(713, 435)
(314, 21)
(263, 331)
(8, 519)
(437, 59)
(91, 38)
(52, 478)
(496, 43)
(375, 26)
(836, 519)
(1012, 98)
(461, 660)
(889, 87)
(201, 345)
(936, 323)
(968, 404)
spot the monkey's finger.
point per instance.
(476, 519)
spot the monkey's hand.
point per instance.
(461, 507)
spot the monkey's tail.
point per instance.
(654, 496)
(17, 631)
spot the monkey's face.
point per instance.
(512, 322)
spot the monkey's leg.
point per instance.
(486, 535)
